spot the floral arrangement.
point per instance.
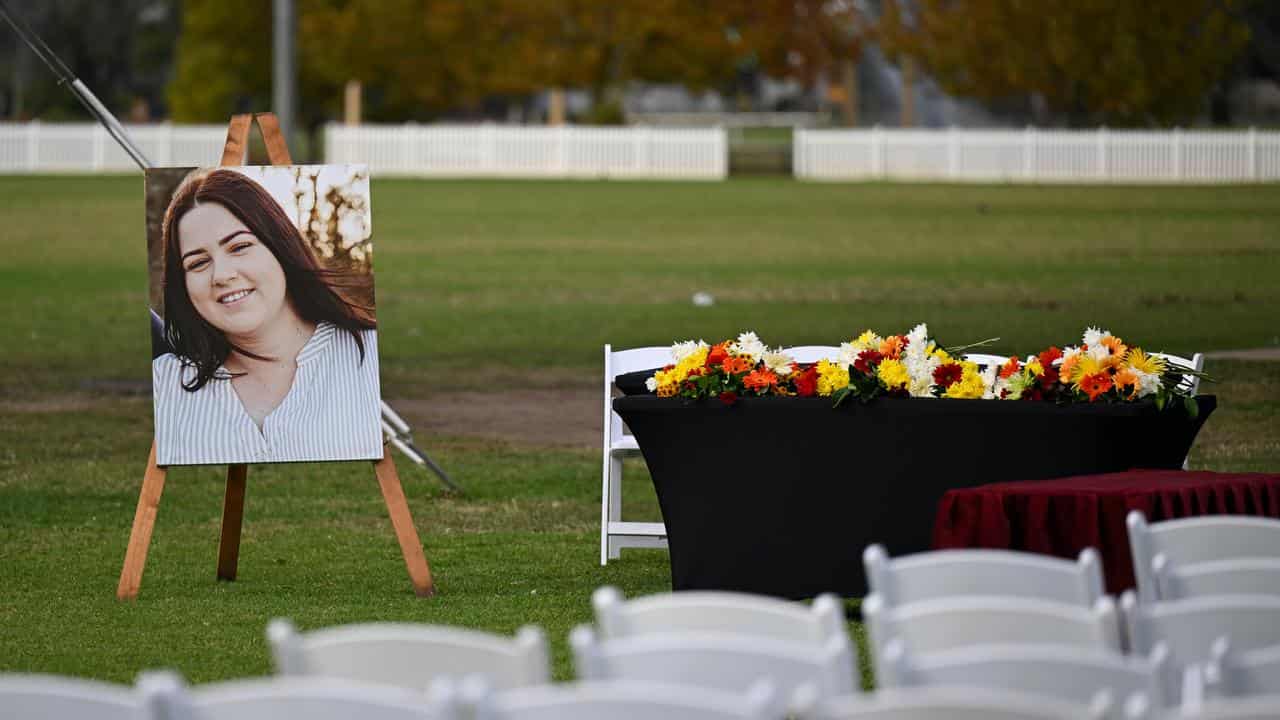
(1102, 368)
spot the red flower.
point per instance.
(728, 397)
(807, 382)
(760, 380)
(946, 375)
(1048, 356)
(717, 354)
(736, 365)
(1095, 384)
(1049, 378)
(866, 359)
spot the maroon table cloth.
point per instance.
(1064, 516)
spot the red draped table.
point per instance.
(1062, 517)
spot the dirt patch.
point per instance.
(1269, 353)
(563, 417)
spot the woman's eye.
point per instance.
(241, 247)
(197, 265)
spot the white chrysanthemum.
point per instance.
(748, 344)
(651, 384)
(1068, 352)
(848, 354)
(682, 350)
(990, 377)
(1099, 352)
(779, 362)
(1093, 336)
(1148, 383)
(919, 362)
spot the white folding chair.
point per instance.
(717, 661)
(1262, 707)
(1070, 674)
(718, 612)
(930, 626)
(1246, 576)
(618, 443)
(812, 353)
(952, 573)
(1190, 383)
(1229, 673)
(1196, 540)
(409, 655)
(1190, 627)
(958, 703)
(287, 698)
(56, 697)
(621, 701)
(986, 359)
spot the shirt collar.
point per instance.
(320, 339)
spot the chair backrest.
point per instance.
(958, 703)
(717, 661)
(55, 697)
(621, 362)
(1069, 674)
(986, 359)
(1229, 673)
(1190, 383)
(951, 573)
(1246, 576)
(1196, 540)
(621, 701)
(812, 353)
(310, 698)
(1190, 627)
(410, 655)
(727, 612)
(947, 623)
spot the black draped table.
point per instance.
(779, 496)
(1064, 516)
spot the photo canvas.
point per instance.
(264, 331)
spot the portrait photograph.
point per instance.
(264, 332)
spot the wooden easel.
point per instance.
(144, 519)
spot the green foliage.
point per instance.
(1121, 62)
(223, 61)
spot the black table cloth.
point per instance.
(779, 496)
(1064, 516)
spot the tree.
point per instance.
(1121, 62)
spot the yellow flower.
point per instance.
(970, 385)
(893, 373)
(1142, 362)
(868, 339)
(1035, 367)
(831, 377)
(1085, 366)
(693, 360)
(940, 354)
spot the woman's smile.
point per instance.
(232, 298)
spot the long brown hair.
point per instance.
(317, 293)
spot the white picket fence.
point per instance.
(533, 152)
(1069, 156)
(37, 147)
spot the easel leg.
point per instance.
(144, 521)
(232, 518)
(414, 559)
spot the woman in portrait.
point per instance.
(271, 361)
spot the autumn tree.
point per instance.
(1121, 62)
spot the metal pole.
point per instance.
(283, 75)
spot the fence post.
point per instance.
(33, 145)
(877, 152)
(562, 151)
(797, 153)
(1253, 153)
(953, 152)
(1176, 138)
(1029, 153)
(1104, 172)
(638, 140)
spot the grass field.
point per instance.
(499, 296)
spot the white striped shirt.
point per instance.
(332, 411)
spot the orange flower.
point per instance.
(736, 364)
(1010, 367)
(718, 353)
(892, 347)
(1126, 377)
(1115, 345)
(1095, 384)
(1068, 367)
(761, 379)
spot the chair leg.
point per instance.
(232, 519)
(144, 521)
(615, 499)
(398, 507)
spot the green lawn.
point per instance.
(494, 287)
